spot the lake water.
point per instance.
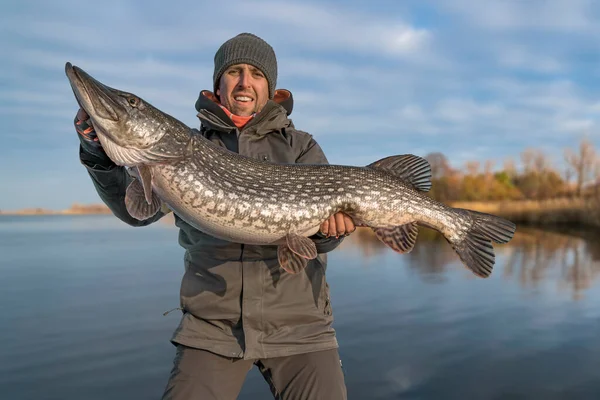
(81, 303)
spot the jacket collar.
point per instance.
(273, 116)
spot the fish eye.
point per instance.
(133, 101)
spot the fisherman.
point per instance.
(239, 307)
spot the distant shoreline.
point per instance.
(75, 209)
(570, 211)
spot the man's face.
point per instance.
(243, 89)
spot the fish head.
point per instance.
(129, 128)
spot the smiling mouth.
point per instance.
(243, 99)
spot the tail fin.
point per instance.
(475, 250)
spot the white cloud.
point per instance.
(465, 110)
(543, 15)
(122, 68)
(332, 28)
(576, 126)
(120, 27)
(32, 97)
(190, 27)
(171, 86)
(522, 57)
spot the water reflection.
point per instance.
(570, 258)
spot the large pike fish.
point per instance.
(240, 199)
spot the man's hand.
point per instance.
(84, 127)
(338, 225)
(93, 153)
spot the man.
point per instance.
(239, 307)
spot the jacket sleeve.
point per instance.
(313, 154)
(111, 181)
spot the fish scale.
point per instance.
(265, 201)
(245, 200)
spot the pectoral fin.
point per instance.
(301, 245)
(400, 238)
(294, 255)
(137, 204)
(290, 261)
(146, 178)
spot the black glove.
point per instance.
(91, 148)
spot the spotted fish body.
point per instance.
(244, 200)
(241, 199)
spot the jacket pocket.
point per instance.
(324, 295)
(327, 305)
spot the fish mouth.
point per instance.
(110, 112)
(100, 104)
(97, 99)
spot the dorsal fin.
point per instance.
(413, 169)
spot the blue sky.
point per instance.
(475, 80)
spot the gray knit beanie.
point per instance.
(246, 48)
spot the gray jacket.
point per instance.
(235, 298)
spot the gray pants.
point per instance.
(202, 375)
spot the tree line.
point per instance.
(536, 179)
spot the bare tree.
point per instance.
(527, 158)
(582, 162)
(568, 174)
(510, 168)
(472, 167)
(440, 166)
(534, 161)
(488, 167)
(596, 175)
(541, 162)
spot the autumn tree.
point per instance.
(445, 180)
(538, 179)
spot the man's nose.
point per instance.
(245, 79)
